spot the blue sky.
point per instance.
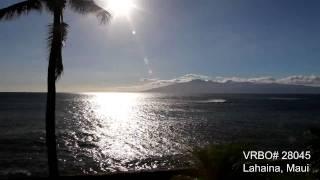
(249, 38)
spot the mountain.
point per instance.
(201, 86)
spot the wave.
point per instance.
(213, 101)
(285, 98)
(15, 172)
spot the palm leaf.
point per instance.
(89, 6)
(19, 9)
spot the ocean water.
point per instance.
(100, 133)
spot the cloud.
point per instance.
(301, 80)
(190, 77)
(267, 79)
(149, 83)
(182, 79)
(293, 80)
(148, 79)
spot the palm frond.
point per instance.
(57, 37)
(89, 6)
(19, 9)
(51, 5)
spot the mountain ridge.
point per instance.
(230, 87)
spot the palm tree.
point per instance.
(56, 38)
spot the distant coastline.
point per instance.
(210, 87)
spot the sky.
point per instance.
(172, 38)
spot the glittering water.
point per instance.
(107, 132)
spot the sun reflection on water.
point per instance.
(116, 113)
(118, 106)
(121, 132)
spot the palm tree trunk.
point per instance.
(51, 101)
(50, 124)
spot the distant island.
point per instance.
(231, 87)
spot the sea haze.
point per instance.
(108, 132)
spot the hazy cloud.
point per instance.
(301, 80)
(293, 80)
(267, 79)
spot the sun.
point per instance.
(119, 8)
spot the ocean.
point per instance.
(99, 133)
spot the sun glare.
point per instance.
(120, 8)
